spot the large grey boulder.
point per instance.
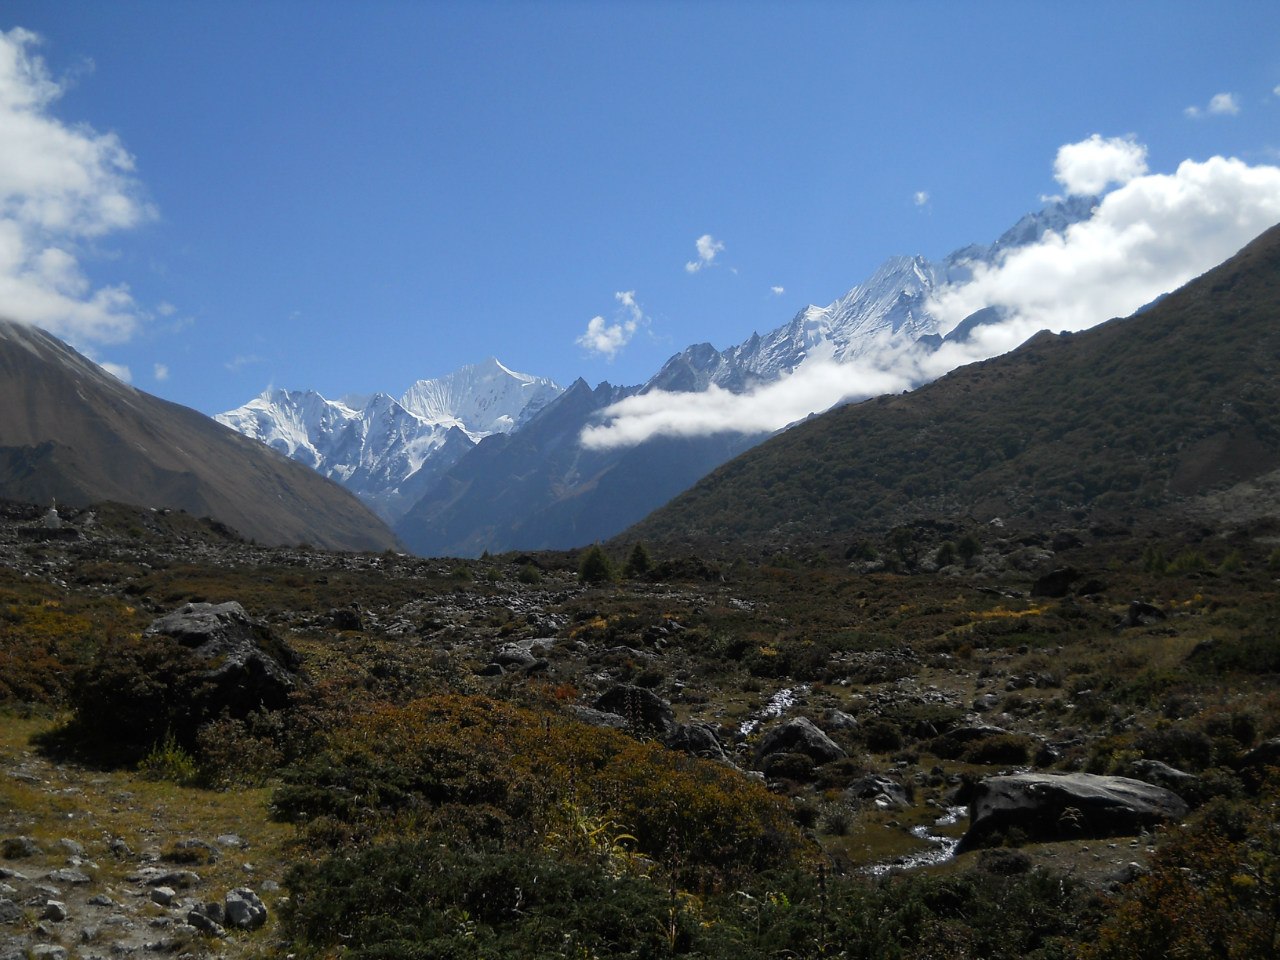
(248, 667)
(1046, 806)
(244, 910)
(642, 709)
(799, 735)
(698, 739)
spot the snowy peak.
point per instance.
(480, 399)
(889, 306)
(374, 445)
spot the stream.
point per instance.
(778, 704)
(942, 848)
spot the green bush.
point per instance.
(596, 567)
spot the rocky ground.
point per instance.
(107, 864)
(878, 700)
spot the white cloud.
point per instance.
(811, 388)
(117, 370)
(708, 248)
(1276, 90)
(241, 361)
(607, 339)
(1145, 238)
(1148, 237)
(777, 291)
(921, 198)
(1220, 105)
(60, 186)
(1088, 167)
(161, 372)
(1225, 104)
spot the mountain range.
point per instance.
(452, 483)
(385, 450)
(1176, 407)
(71, 432)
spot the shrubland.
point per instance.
(421, 803)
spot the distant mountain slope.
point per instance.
(539, 488)
(71, 431)
(543, 490)
(1180, 399)
(388, 451)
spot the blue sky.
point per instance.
(353, 196)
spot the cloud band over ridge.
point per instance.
(1147, 237)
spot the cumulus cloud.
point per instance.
(921, 198)
(60, 186)
(607, 339)
(1220, 105)
(161, 372)
(1090, 166)
(1145, 238)
(117, 370)
(708, 248)
(777, 291)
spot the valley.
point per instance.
(552, 726)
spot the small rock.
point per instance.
(71, 876)
(100, 900)
(206, 925)
(55, 910)
(174, 878)
(119, 848)
(48, 951)
(70, 847)
(230, 840)
(10, 912)
(163, 895)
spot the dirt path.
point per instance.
(98, 864)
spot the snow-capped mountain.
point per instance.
(890, 305)
(417, 461)
(387, 451)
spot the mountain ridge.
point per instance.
(71, 431)
(1176, 401)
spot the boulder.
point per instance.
(205, 923)
(1266, 754)
(597, 718)
(19, 848)
(1162, 775)
(244, 910)
(698, 739)
(799, 735)
(248, 667)
(1045, 806)
(1143, 614)
(643, 710)
(885, 792)
(1055, 583)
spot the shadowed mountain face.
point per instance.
(1177, 404)
(71, 431)
(539, 488)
